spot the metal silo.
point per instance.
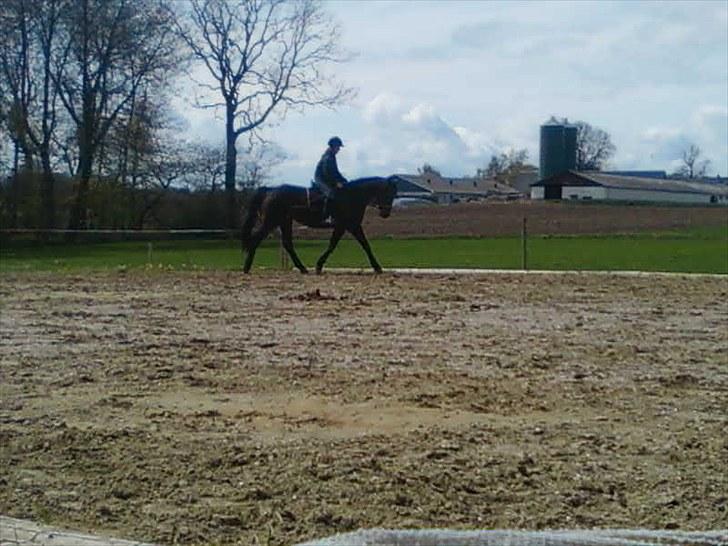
(570, 147)
(558, 148)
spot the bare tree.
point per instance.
(256, 163)
(593, 147)
(693, 166)
(112, 48)
(18, 84)
(428, 169)
(209, 166)
(265, 56)
(170, 164)
(505, 166)
(42, 131)
(18, 87)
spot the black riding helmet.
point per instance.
(335, 141)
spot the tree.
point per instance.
(505, 166)
(693, 166)
(593, 147)
(257, 162)
(428, 169)
(16, 90)
(18, 84)
(112, 48)
(210, 162)
(265, 56)
(29, 30)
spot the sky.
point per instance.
(450, 83)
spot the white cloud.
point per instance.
(706, 128)
(421, 135)
(384, 108)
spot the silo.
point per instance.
(570, 132)
(558, 148)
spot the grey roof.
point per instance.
(662, 175)
(589, 178)
(641, 183)
(410, 184)
(463, 186)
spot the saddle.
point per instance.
(319, 206)
(318, 202)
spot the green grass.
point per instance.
(702, 250)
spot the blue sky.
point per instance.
(450, 83)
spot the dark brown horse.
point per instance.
(278, 207)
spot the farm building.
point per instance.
(524, 177)
(433, 187)
(586, 186)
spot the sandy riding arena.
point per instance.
(212, 408)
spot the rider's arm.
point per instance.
(332, 172)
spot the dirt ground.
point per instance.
(543, 218)
(211, 408)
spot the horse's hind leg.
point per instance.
(287, 240)
(335, 238)
(252, 246)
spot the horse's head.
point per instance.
(385, 197)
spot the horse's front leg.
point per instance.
(335, 238)
(287, 240)
(358, 234)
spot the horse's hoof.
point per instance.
(378, 270)
(304, 271)
(319, 271)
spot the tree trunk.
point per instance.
(230, 167)
(48, 192)
(15, 187)
(79, 210)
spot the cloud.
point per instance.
(711, 121)
(405, 136)
(385, 108)
(706, 128)
(667, 143)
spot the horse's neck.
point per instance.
(368, 189)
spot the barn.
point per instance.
(598, 186)
(433, 187)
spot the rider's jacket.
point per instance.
(327, 172)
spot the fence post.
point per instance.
(524, 245)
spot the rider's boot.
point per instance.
(327, 211)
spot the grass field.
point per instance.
(692, 251)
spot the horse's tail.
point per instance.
(252, 217)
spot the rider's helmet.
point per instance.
(335, 141)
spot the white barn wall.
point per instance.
(584, 192)
(618, 194)
(537, 192)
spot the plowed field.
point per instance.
(543, 218)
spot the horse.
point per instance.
(277, 207)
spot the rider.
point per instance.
(327, 178)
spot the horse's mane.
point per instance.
(357, 182)
(287, 187)
(366, 180)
